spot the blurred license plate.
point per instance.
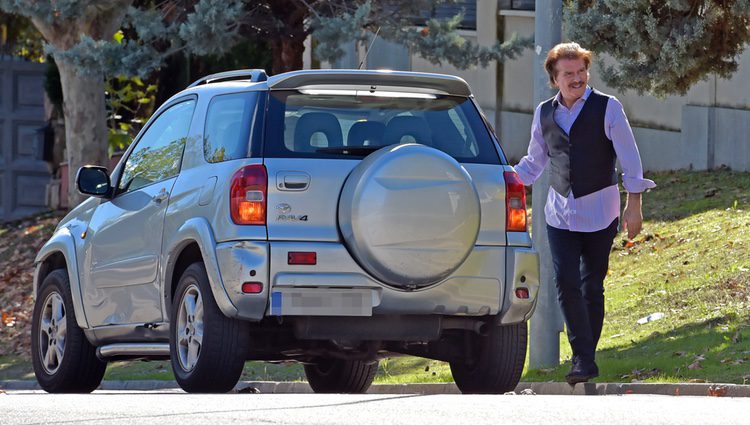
(321, 302)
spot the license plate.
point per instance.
(321, 302)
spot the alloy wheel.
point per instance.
(190, 328)
(53, 332)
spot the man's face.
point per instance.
(571, 78)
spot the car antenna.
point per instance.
(368, 49)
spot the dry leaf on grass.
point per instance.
(696, 365)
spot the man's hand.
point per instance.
(632, 218)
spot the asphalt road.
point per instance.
(175, 407)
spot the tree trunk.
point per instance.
(83, 97)
(85, 124)
(287, 54)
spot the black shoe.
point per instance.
(582, 371)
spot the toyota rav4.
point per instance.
(328, 217)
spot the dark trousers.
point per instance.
(581, 260)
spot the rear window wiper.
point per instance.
(349, 150)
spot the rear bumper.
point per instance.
(337, 286)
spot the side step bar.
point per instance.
(133, 350)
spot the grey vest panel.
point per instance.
(584, 160)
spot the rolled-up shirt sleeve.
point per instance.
(617, 129)
(531, 166)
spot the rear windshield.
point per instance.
(346, 124)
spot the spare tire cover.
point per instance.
(409, 214)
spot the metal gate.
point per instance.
(23, 173)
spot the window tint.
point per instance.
(158, 154)
(228, 126)
(323, 125)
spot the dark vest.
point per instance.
(584, 160)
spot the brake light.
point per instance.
(247, 195)
(515, 203)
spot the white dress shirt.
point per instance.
(597, 210)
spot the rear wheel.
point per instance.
(207, 349)
(340, 376)
(64, 361)
(496, 361)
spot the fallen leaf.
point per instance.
(695, 366)
(717, 391)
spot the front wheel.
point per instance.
(64, 361)
(340, 376)
(496, 361)
(207, 349)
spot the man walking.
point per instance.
(581, 132)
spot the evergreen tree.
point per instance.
(84, 39)
(333, 23)
(91, 39)
(661, 47)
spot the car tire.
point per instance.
(340, 376)
(64, 360)
(497, 362)
(207, 349)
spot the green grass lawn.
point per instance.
(691, 263)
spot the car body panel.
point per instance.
(121, 257)
(63, 242)
(309, 214)
(198, 230)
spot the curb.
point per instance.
(524, 388)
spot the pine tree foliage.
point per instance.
(150, 34)
(436, 40)
(661, 47)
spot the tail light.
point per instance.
(247, 195)
(515, 203)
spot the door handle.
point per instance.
(292, 180)
(161, 196)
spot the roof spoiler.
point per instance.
(446, 84)
(254, 75)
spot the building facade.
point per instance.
(705, 129)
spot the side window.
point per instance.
(158, 154)
(228, 124)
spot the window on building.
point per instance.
(517, 4)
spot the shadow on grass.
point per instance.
(680, 194)
(705, 352)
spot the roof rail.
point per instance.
(255, 75)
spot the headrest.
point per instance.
(316, 122)
(366, 133)
(401, 126)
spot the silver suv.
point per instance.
(329, 217)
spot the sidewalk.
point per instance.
(525, 388)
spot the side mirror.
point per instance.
(93, 180)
